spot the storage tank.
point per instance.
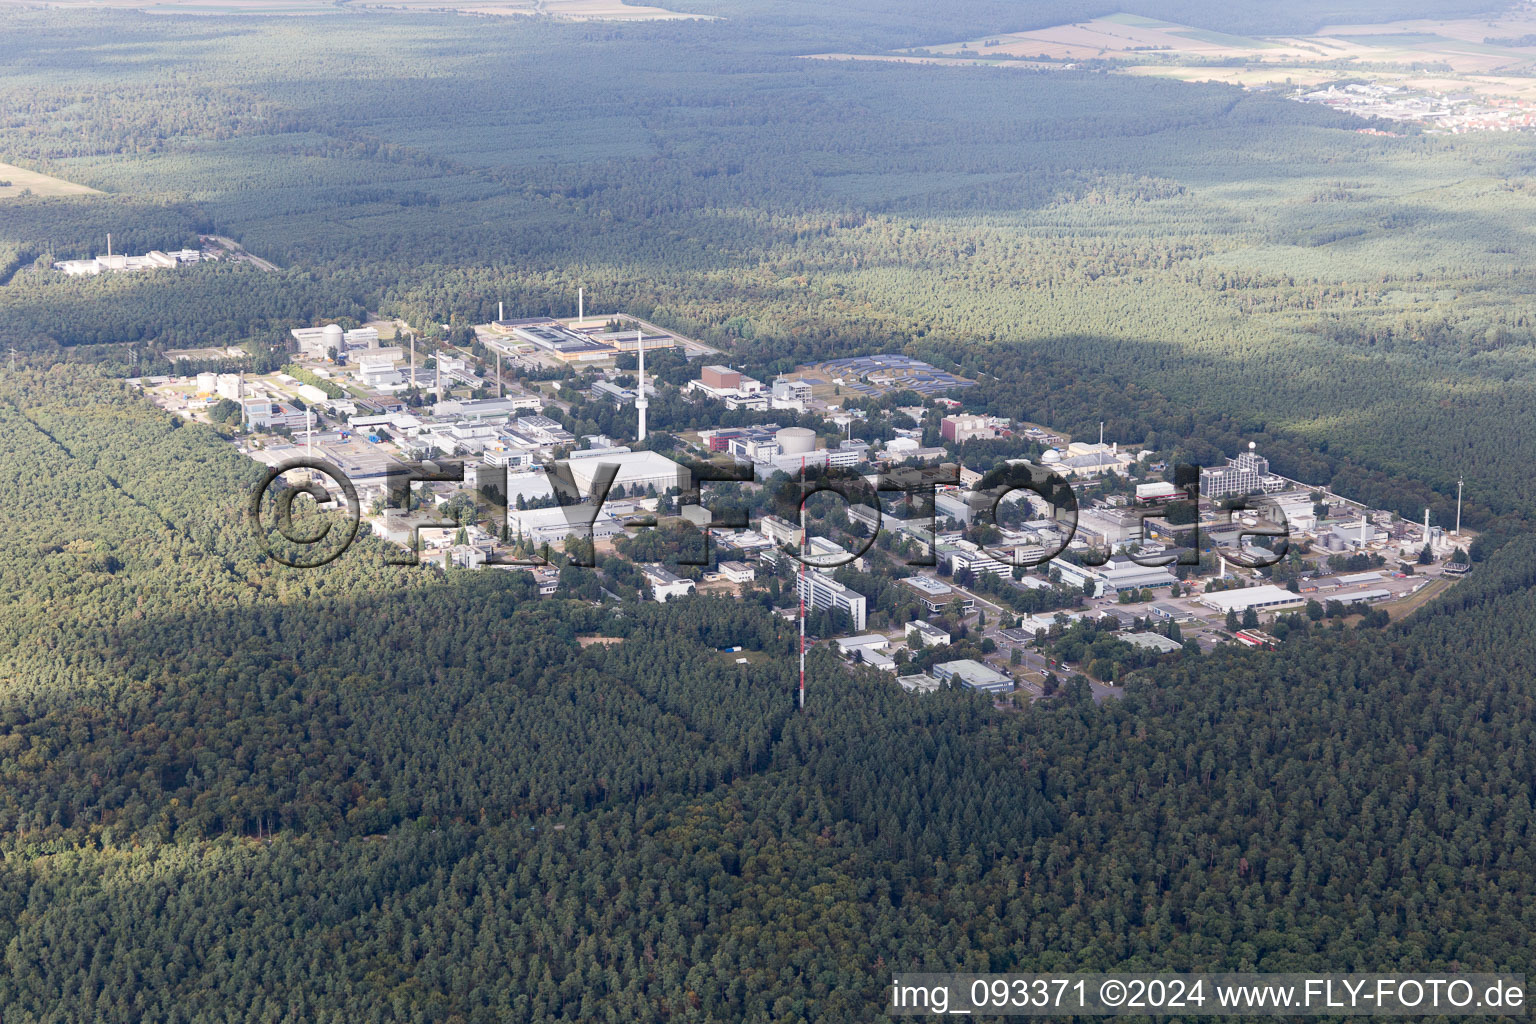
(1051, 457)
(796, 440)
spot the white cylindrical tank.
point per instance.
(796, 440)
(1051, 456)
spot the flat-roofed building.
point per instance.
(486, 408)
(1245, 474)
(780, 531)
(563, 343)
(637, 471)
(936, 595)
(863, 642)
(1153, 642)
(1257, 598)
(665, 584)
(966, 427)
(822, 592)
(927, 633)
(552, 525)
(737, 572)
(922, 682)
(972, 675)
(1170, 612)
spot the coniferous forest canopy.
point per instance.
(231, 790)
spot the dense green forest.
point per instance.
(233, 790)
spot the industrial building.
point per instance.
(922, 682)
(319, 343)
(1157, 491)
(485, 408)
(960, 429)
(562, 342)
(637, 471)
(863, 642)
(542, 526)
(155, 259)
(1118, 574)
(1153, 642)
(1258, 598)
(972, 675)
(723, 383)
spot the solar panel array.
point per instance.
(874, 375)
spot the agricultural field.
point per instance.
(1472, 46)
(1491, 56)
(564, 10)
(16, 180)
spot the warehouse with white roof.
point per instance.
(1258, 598)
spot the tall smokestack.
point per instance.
(1458, 506)
(581, 304)
(109, 247)
(501, 311)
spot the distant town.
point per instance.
(948, 593)
(1455, 113)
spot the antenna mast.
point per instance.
(641, 402)
(801, 588)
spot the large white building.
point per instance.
(665, 584)
(636, 470)
(1245, 474)
(1259, 598)
(320, 342)
(552, 525)
(823, 592)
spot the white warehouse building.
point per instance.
(1258, 598)
(636, 470)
